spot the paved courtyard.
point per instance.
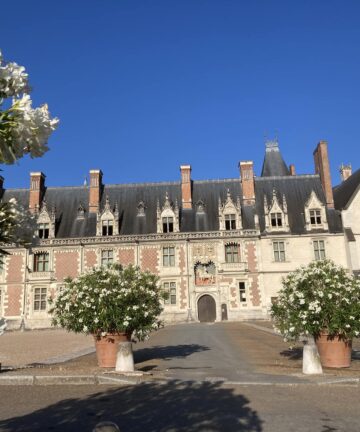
(231, 352)
(220, 377)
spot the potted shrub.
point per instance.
(112, 303)
(320, 300)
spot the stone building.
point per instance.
(220, 247)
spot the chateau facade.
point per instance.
(219, 247)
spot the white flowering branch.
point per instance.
(23, 129)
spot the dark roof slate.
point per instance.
(66, 200)
(274, 164)
(297, 190)
(344, 192)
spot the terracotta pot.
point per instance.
(334, 352)
(107, 348)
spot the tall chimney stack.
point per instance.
(247, 181)
(95, 190)
(186, 196)
(322, 168)
(292, 169)
(345, 171)
(37, 190)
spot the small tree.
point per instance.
(321, 297)
(111, 299)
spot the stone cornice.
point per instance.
(150, 237)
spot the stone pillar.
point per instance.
(125, 358)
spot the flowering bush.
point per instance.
(110, 299)
(316, 298)
(23, 129)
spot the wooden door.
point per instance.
(206, 309)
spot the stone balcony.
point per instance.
(233, 267)
(38, 276)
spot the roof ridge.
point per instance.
(288, 177)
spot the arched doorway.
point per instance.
(206, 309)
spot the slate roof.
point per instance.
(297, 191)
(344, 192)
(66, 200)
(274, 164)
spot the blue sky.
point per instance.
(141, 87)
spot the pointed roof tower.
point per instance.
(274, 165)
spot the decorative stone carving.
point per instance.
(107, 217)
(167, 216)
(81, 211)
(276, 215)
(314, 206)
(141, 209)
(205, 273)
(46, 217)
(229, 208)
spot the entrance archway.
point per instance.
(206, 309)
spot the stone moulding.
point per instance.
(150, 237)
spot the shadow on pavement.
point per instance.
(293, 354)
(174, 406)
(167, 352)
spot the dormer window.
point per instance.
(229, 214)
(315, 214)
(167, 217)
(108, 220)
(107, 227)
(43, 230)
(276, 220)
(168, 224)
(276, 217)
(315, 217)
(46, 222)
(230, 222)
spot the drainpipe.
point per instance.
(22, 324)
(189, 318)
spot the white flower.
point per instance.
(330, 296)
(302, 301)
(85, 329)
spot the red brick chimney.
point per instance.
(292, 169)
(186, 197)
(247, 181)
(37, 190)
(95, 190)
(345, 171)
(322, 168)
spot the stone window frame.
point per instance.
(278, 251)
(227, 209)
(235, 245)
(42, 299)
(314, 204)
(102, 258)
(163, 256)
(46, 217)
(242, 288)
(319, 249)
(104, 217)
(35, 261)
(167, 211)
(275, 208)
(171, 285)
